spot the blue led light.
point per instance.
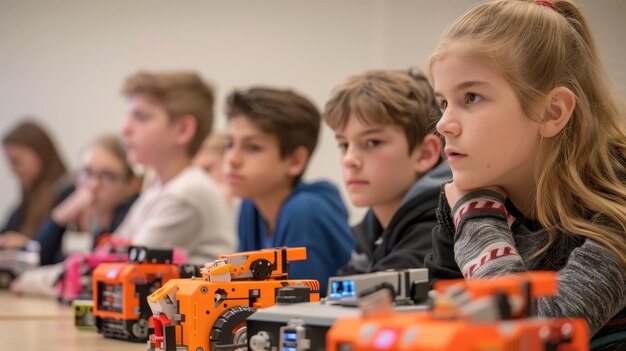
(340, 289)
(290, 336)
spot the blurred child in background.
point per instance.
(171, 113)
(42, 177)
(106, 188)
(210, 157)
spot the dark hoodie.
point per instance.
(408, 237)
(313, 216)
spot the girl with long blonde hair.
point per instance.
(535, 135)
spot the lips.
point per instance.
(232, 178)
(453, 154)
(354, 183)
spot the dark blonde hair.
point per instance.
(181, 93)
(40, 198)
(216, 143)
(581, 172)
(404, 99)
(113, 144)
(287, 115)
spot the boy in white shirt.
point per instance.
(170, 115)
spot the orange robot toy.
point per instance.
(482, 315)
(120, 291)
(210, 312)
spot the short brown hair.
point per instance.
(405, 99)
(181, 93)
(292, 118)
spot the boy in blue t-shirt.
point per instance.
(271, 136)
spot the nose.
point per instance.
(351, 159)
(233, 157)
(126, 126)
(92, 182)
(448, 124)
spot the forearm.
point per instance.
(592, 284)
(483, 241)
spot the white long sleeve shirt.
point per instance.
(188, 213)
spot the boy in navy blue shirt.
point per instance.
(271, 136)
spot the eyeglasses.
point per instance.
(105, 177)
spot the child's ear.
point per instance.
(297, 161)
(559, 111)
(427, 154)
(186, 127)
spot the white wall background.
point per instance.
(65, 60)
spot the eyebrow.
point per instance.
(372, 130)
(465, 85)
(139, 113)
(253, 137)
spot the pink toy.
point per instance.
(76, 281)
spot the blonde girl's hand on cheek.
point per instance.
(454, 193)
(69, 210)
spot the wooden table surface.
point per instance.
(42, 324)
(24, 307)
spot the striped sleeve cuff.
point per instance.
(479, 204)
(497, 257)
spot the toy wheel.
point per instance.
(261, 269)
(230, 327)
(140, 329)
(6, 278)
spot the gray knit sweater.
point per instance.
(591, 279)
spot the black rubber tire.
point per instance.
(139, 330)
(228, 329)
